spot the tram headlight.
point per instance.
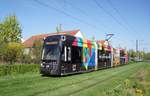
(42, 65)
(47, 66)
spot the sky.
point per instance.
(128, 20)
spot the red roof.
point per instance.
(29, 42)
(101, 41)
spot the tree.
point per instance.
(132, 53)
(141, 54)
(37, 51)
(12, 52)
(10, 30)
(147, 56)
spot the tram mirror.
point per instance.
(63, 38)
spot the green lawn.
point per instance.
(128, 80)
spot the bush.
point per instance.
(18, 69)
(12, 51)
(26, 59)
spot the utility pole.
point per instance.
(58, 28)
(137, 52)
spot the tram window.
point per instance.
(122, 53)
(69, 53)
(66, 54)
(76, 54)
(101, 56)
(63, 52)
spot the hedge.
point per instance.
(18, 69)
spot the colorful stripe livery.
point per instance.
(88, 51)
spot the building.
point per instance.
(28, 44)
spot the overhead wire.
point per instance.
(113, 17)
(121, 16)
(64, 13)
(86, 14)
(83, 12)
(108, 13)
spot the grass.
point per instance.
(130, 80)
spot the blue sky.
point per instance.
(130, 22)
